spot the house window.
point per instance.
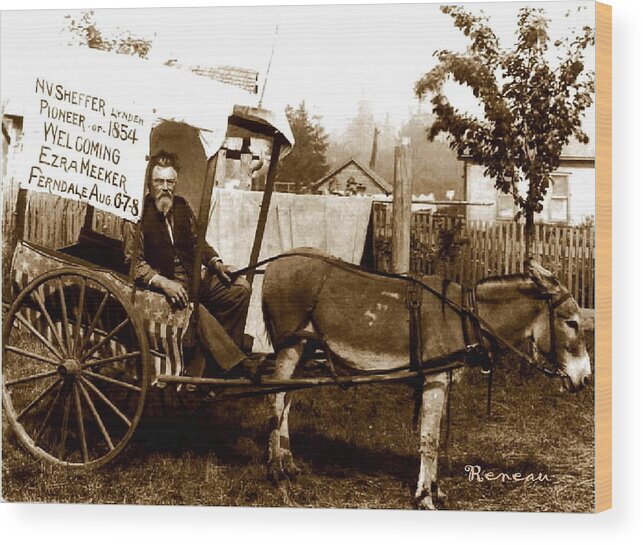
(506, 208)
(559, 201)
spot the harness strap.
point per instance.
(448, 416)
(474, 317)
(470, 303)
(489, 388)
(552, 333)
(551, 308)
(414, 305)
(464, 294)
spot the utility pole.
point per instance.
(402, 193)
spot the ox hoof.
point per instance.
(282, 469)
(426, 503)
(275, 472)
(290, 468)
(438, 495)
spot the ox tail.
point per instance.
(270, 328)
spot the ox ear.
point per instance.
(543, 278)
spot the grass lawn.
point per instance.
(357, 448)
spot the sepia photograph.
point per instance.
(334, 256)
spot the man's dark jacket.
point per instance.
(158, 249)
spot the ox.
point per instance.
(362, 320)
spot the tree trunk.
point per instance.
(529, 234)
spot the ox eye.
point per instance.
(573, 324)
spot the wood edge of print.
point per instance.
(603, 328)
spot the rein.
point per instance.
(477, 322)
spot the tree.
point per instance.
(306, 163)
(531, 108)
(357, 141)
(86, 32)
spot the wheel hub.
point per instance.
(69, 368)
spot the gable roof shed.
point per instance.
(374, 176)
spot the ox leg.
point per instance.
(434, 395)
(280, 460)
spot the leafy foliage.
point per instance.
(306, 163)
(86, 32)
(532, 108)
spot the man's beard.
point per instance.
(164, 203)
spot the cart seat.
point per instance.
(99, 249)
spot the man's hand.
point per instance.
(222, 271)
(174, 291)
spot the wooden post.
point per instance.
(17, 234)
(265, 206)
(202, 227)
(402, 190)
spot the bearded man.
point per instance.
(167, 247)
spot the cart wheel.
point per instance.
(75, 368)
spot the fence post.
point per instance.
(402, 191)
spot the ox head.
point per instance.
(557, 333)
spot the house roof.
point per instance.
(575, 150)
(377, 179)
(232, 75)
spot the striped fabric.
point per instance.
(165, 327)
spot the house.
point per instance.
(352, 178)
(570, 199)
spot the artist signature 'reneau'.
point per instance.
(479, 474)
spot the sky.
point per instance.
(331, 57)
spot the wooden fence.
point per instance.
(51, 221)
(55, 222)
(483, 248)
(480, 249)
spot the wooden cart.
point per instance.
(82, 343)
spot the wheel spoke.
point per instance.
(112, 359)
(81, 424)
(113, 381)
(43, 425)
(92, 326)
(38, 399)
(105, 339)
(97, 417)
(39, 336)
(79, 317)
(50, 322)
(63, 431)
(30, 378)
(106, 401)
(63, 307)
(31, 355)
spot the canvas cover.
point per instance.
(340, 227)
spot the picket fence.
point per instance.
(482, 248)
